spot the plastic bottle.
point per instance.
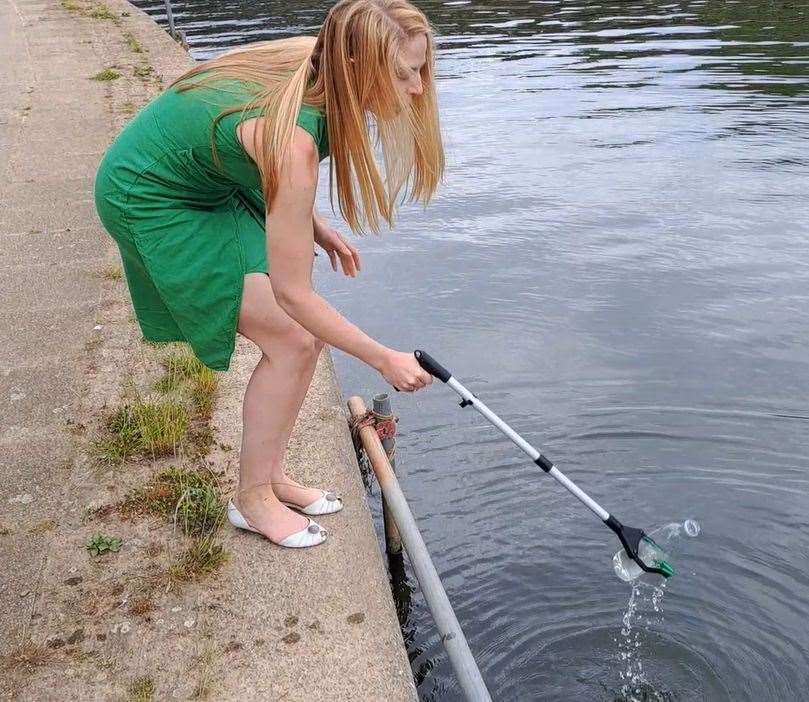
(627, 570)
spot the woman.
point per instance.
(183, 188)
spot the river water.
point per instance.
(617, 263)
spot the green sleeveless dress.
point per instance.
(189, 230)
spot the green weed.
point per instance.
(191, 497)
(142, 690)
(99, 545)
(107, 74)
(184, 368)
(150, 428)
(203, 557)
(112, 272)
(133, 43)
(101, 12)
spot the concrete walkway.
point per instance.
(274, 624)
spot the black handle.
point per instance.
(432, 366)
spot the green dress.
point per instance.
(189, 231)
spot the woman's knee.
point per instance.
(271, 329)
(293, 343)
(303, 344)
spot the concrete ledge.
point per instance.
(274, 623)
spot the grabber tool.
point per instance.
(640, 547)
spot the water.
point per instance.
(617, 264)
(644, 614)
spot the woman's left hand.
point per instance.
(329, 239)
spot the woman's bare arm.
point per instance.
(290, 253)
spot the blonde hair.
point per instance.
(347, 71)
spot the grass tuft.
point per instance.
(183, 367)
(203, 557)
(142, 690)
(151, 428)
(122, 441)
(101, 12)
(162, 425)
(203, 688)
(182, 363)
(191, 497)
(28, 656)
(133, 44)
(143, 71)
(107, 74)
(112, 272)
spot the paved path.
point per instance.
(275, 624)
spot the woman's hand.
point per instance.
(403, 371)
(329, 239)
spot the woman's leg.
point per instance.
(271, 404)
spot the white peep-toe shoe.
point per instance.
(327, 503)
(312, 535)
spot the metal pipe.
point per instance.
(170, 18)
(466, 670)
(393, 540)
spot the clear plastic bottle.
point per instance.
(627, 570)
(665, 537)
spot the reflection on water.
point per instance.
(617, 264)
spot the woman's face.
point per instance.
(412, 58)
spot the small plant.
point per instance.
(191, 497)
(72, 6)
(123, 439)
(155, 428)
(132, 42)
(142, 690)
(162, 425)
(27, 656)
(203, 557)
(107, 74)
(100, 544)
(204, 662)
(143, 71)
(168, 384)
(183, 366)
(181, 362)
(129, 108)
(112, 272)
(203, 392)
(101, 12)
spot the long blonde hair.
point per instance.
(347, 71)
